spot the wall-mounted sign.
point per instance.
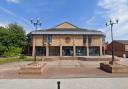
(67, 40)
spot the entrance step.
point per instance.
(50, 58)
(68, 58)
(78, 58)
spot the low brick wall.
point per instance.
(32, 68)
(114, 68)
(94, 59)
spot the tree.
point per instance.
(17, 35)
(4, 40)
(12, 40)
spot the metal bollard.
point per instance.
(58, 83)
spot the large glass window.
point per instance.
(67, 51)
(40, 51)
(81, 51)
(54, 51)
(94, 51)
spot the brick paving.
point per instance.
(58, 69)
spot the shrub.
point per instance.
(13, 51)
(22, 56)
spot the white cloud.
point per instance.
(3, 24)
(91, 20)
(21, 20)
(13, 1)
(88, 22)
(116, 9)
(7, 11)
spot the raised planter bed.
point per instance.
(32, 68)
(115, 68)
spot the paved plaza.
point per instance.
(58, 69)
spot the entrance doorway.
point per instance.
(67, 51)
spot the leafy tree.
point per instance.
(4, 40)
(12, 40)
(17, 35)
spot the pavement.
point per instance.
(59, 69)
(75, 83)
(73, 74)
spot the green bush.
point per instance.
(22, 56)
(13, 51)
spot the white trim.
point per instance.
(69, 32)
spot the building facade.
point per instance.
(120, 48)
(67, 40)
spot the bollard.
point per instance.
(58, 83)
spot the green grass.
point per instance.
(16, 59)
(7, 60)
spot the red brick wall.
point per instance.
(117, 46)
(119, 49)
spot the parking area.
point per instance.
(58, 69)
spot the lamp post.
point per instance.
(111, 23)
(36, 23)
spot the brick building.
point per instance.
(120, 47)
(66, 40)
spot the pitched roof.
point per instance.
(121, 41)
(67, 28)
(66, 25)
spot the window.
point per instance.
(89, 39)
(40, 51)
(47, 38)
(94, 51)
(81, 51)
(84, 39)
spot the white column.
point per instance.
(101, 51)
(47, 50)
(61, 37)
(101, 47)
(60, 50)
(74, 50)
(74, 47)
(87, 50)
(33, 47)
(87, 45)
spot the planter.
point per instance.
(115, 68)
(32, 68)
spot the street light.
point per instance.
(36, 23)
(111, 23)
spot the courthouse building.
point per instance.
(67, 40)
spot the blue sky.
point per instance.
(91, 14)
